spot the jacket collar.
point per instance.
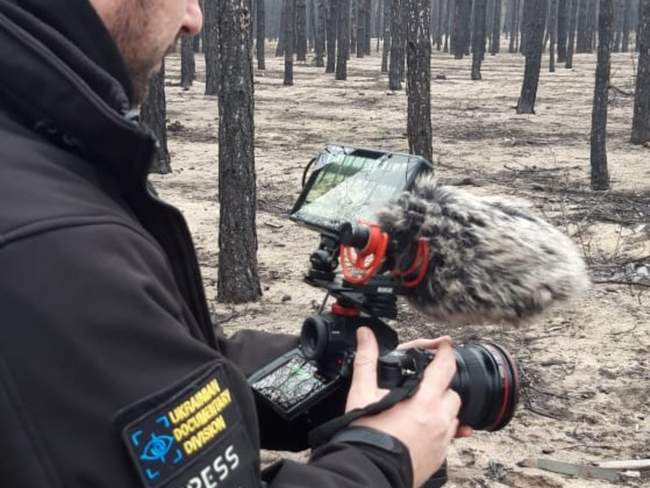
(67, 80)
(77, 21)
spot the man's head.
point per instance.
(144, 30)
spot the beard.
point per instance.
(139, 44)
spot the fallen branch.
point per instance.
(534, 409)
(571, 469)
(635, 464)
(622, 92)
(626, 331)
(621, 282)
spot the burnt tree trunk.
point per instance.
(402, 72)
(461, 31)
(386, 48)
(343, 40)
(571, 42)
(552, 31)
(300, 16)
(289, 40)
(353, 26)
(562, 21)
(332, 34)
(478, 38)
(440, 23)
(641, 120)
(536, 16)
(618, 25)
(514, 27)
(448, 24)
(525, 25)
(279, 49)
(627, 12)
(418, 55)
(211, 46)
(188, 66)
(599, 174)
(396, 47)
(238, 279)
(583, 44)
(261, 34)
(311, 26)
(379, 26)
(153, 114)
(495, 45)
(368, 31)
(320, 29)
(361, 28)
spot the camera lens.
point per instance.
(488, 384)
(314, 337)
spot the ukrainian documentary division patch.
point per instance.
(193, 440)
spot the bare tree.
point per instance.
(552, 33)
(153, 114)
(495, 44)
(261, 34)
(478, 38)
(343, 40)
(289, 40)
(451, 7)
(461, 33)
(535, 22)
(387, 39)
(562, 29)
(238, 279)
(332, 33)
(418, 56)
(583, 44)
(599, 173)
(627, 13)
(641, 120)
(573, 16)
(188, 65)
(361, 28)
(279, 49)
(320, 29)
(211, 46)
(396, 47)
(440, 22)
(514, 25)
(300, 16)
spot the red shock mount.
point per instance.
(360, 266)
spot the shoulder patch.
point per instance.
(195, 439)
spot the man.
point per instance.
(110, 372)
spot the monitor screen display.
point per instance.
(349, 185)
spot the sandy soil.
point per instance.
(586, 366)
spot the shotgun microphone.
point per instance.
(490, 259)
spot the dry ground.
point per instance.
(586, 366)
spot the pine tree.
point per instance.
(599, 173)
(238, 279)
(153, 114)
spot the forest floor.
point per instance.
(585, 366)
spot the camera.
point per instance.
(340, 199)
(486, 379)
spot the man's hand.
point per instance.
(427, 422)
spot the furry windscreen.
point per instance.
(491, 258)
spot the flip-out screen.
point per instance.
(350, 184)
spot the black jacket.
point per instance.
(109, 365)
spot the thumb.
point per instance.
(364, 374)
